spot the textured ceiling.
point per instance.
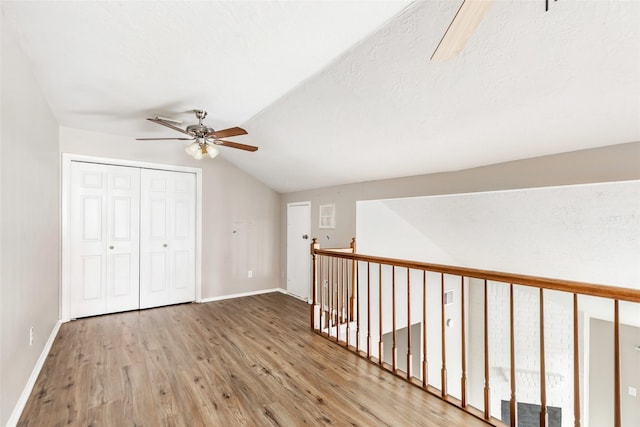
(329, 107)
(106, 65)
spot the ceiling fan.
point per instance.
(464, 23)
(462, 26)
(205, 139)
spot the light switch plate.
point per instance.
(632, 391)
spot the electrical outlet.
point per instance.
(30, 336)
(250, 274)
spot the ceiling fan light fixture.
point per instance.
(198, 155)
(192, 148)
(212, 151)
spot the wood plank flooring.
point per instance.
(244, 362)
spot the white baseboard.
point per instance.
(26, 392)
(245, 294)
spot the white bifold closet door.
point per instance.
(104, 218)
(167, 238)
(132, 238)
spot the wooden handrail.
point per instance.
(590, 289)
(339, 271)
(338, 250)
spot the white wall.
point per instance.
(605, 164)
(29, 274)
(382, 231)
(240, 215)
(587, 233)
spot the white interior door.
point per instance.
(298, 250)
(104, 233)
(167, 238)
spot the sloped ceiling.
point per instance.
(338, 92)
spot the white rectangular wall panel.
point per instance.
(92, 280)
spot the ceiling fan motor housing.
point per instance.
(200, 131)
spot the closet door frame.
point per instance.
(67, 159)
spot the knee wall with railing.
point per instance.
(501, 346)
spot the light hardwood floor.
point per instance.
(251, 361)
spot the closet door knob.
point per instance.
(110, 247)
(164, 245)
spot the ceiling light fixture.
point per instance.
(201, 147)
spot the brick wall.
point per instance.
(558, 347)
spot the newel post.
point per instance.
(314, 247)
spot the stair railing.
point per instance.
(346, 285)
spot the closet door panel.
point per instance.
(121, 270)
(154, 238)
(182, 229)
(104, 220)
(92, 216)
(167, 238)
(123, 238)
(88, 211)
(92, 282)
(158, 273)
(181, 270)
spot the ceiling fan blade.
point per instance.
(235, 145)
(465, 22)
(165, 139)
(168, 120)
(169, 125)
(225, 133)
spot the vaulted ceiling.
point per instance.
(338, 92)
